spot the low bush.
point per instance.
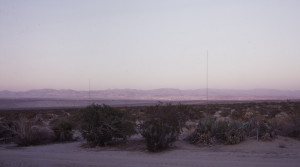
(261, 129)
(230, 132)
(161, 126)
(63, 129)
(289, 126)
(294, 131)
(210, 131)
(265, 131)
(203, 134)
(100, 124)
(6, 131)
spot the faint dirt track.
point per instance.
(247, 154)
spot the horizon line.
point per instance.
(153, 89)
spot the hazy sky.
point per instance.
(149, 44)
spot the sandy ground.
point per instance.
(283, 152)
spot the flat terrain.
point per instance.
(281, 152)
(43, 103)
(66, 103)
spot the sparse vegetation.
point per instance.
(160, 125)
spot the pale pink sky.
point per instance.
(149, 44)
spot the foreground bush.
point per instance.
(265, 131)
(6, 131)
(204, 132)
(29, 134)
(230, 132)
(161, 127)
(294, 130)
(63, 129)
(261, 129)
(101, 124)
(289, 126)
(210, 131)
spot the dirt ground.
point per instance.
(280, 152)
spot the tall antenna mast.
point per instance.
(207, 78)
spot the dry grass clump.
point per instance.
(29, 134)
(34, 127)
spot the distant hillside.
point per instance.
(156, 94)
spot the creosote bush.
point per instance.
(63, 129)
(210, 131)
(161, 126)
(289, 126)
(100, 124)
(6, 131)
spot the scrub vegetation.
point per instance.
(159, 125)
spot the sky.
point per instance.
(139, 44)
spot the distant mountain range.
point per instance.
(155, 94)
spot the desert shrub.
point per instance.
(262, 130)
(294, 130)
(161, 127)
(210, 131)
(230, 132)
(203, 134)
(29, 134)
(266, 131)
(63, 129)
(6, 131)
(289, 126)
(101, 124)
